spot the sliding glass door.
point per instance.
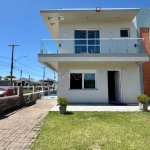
(87, 41)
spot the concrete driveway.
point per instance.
(19, 128)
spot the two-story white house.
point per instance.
(96, 53)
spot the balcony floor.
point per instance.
(51, 60)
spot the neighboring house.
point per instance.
(143, 28)
(48, 81)
(52, 83)
(98, 54)
(17, 82)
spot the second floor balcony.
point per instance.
(92, 46)
(53, 52)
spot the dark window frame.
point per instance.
(126, 35)
(77, 81)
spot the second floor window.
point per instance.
(87, 41)
(124, 32)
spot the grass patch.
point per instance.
(95, 131)
(27, 91)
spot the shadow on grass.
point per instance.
(145, 110)
(68, 113)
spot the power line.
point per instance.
(3, 42)
(22, 70)
(28, 66)
(4, 65)
(8, 39)
(28, 72)
(21, 64)
(18, 68)
(5, 57)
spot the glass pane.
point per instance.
(97, 34)
(97, 49)
(80, 42)
(97, 42)
(76, 81)
(80, 49)
(80, 36)
(93, 49)
(93, 38)
(91, 34)
(89, 80)
(124, 33)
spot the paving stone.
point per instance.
(19, 130)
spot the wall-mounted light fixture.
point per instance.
(65, 33)
(61, 17)
(52, 24)
(50, 18)
(98, 9)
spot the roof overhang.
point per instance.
(51, 60)
(52, 17)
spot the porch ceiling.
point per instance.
(51, 60)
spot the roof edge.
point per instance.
(88, 10)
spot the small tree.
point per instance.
(45, 84)
(10, 76)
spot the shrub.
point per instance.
(63, 101)
(142, 98)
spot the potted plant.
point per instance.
(62, 102)
(143, 101)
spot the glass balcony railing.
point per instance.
(90, 46)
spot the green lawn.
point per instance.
(95, 131)
(27, 91)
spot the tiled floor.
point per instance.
(19, 128)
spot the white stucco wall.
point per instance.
(130, 83)
(107, 30)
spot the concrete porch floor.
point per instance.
(94, 107)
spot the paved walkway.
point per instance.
(19, 129)
(99, 108)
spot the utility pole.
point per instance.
(12, 58)
(43, 74)
(20, 74)
(29, 83)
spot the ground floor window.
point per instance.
(83, 80)
(76, 81)
(89, 80)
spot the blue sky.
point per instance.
(21, 23)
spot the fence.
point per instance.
(25, 96)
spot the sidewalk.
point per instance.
(19, 129)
